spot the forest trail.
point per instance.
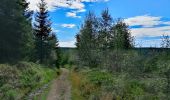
(61, 87)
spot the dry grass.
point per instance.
(82, 88)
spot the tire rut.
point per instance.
(61, 88)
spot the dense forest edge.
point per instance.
(28, 51)
(106, 64)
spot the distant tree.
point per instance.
(165, 41)
(122, 35)
(58, 53)
(53, 47)
(42, 30)
(77, 40)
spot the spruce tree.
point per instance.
(27, 36)
(13, 26)
(45, 40)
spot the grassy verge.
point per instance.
(102, 85)
(43, 96)
(18, 80)
(76, 85)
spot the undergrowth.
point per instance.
(17, 81)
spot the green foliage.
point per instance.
(16, 41)
(67, 57)
(98, 36)
(127, 75)
(119, 86)
(87, 43)
(99, 78)
(123, 38)
(18, 80)
(45, 40)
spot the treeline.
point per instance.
(99, 35)
(20, 39)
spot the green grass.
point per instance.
(17, 81)
(102, 85)
(124, 75)
(43, 96)
(76, 82)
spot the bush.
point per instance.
(18, 80)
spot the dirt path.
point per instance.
(61, 88)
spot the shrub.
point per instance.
(18, 80)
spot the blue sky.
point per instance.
(148, 19)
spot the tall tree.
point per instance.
(87, 40)
(122, 35)
(27, 36)
(13, 26)
(105, 35)
(45, 40)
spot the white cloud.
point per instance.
(56, 31)
(151, 32)
(72, 14)
(81, 10)
(54, 4)
(145, 21)
(67, 43)
(150, 26)
(68, 25)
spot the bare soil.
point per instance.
(61, 88)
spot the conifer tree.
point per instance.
(13, 26)
(27, 36)
(42, 30)
(46, 42)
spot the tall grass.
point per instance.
(18, 80)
